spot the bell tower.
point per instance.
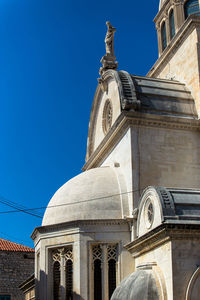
(178, 31)
(171, 16)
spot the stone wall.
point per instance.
(169, 157)
(184, 66)
(185, 260)
(15, 267)
(180, 60)
(161, 256)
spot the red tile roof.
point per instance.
(10, 246)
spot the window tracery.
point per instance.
(107, 116)
(63, 273)
(104, 267)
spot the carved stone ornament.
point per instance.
(149, 213)
(107, 116)
(109, 60)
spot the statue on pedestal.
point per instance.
(109, 60)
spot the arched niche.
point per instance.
(193, 288)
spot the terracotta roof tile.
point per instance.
(10, 246)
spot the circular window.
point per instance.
(107, 116)
(149, 213)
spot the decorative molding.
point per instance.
(191, 283)
(129, 100)
(75, 224)
(162, 234)
(107, 116)
(191, 22)
(128, 119)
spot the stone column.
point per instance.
(179, 15)
(104, 273)
(159, 39)
(62, 276)
(167, 29)
(76, 270)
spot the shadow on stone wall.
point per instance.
(41, 287)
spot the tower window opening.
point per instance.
(111, 276)
(172, 24)
(163, 36)
(104, 270)
(97, 280)
(63, 273)
(56, 280)
(69, 279)
(191, 7)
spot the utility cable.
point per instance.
(18, 207)
(28, 210)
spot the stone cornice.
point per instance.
(128, 119)
(191, 23)
(75, 224)
(166, 5)
(162, 234)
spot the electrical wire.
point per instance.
(28, 210)
(18, 207)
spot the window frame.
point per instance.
(60, 255)
(104, 266)
(172, 28)
(163, 31)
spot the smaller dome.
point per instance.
(140, 285)
(96, 194)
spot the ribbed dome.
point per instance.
(94, 194)
(140, 285)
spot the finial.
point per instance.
(109, 60)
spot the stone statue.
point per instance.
(108, 60)
(109, 40)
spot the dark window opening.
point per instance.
(97, 280)
(111, 276)
(56, 281)
(5, 297)
(191, 7)
(172, 24)
(69, 280)
(163, 36)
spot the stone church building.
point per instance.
(128, 227)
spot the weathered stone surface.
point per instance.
(15, 267)
(140, 285)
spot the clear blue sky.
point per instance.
(49, 62)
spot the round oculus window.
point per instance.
(107, 116)
(149, 213)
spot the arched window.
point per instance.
(104, 269)
(97, 280)
(63, 273)
(191, 7)
(69, 279)
(163, 36)
(171, 24)
(56, 280)
(111, 276)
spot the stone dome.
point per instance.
(140, 285)
(98, 193)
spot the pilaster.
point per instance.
(159, 39)
(179, 14)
